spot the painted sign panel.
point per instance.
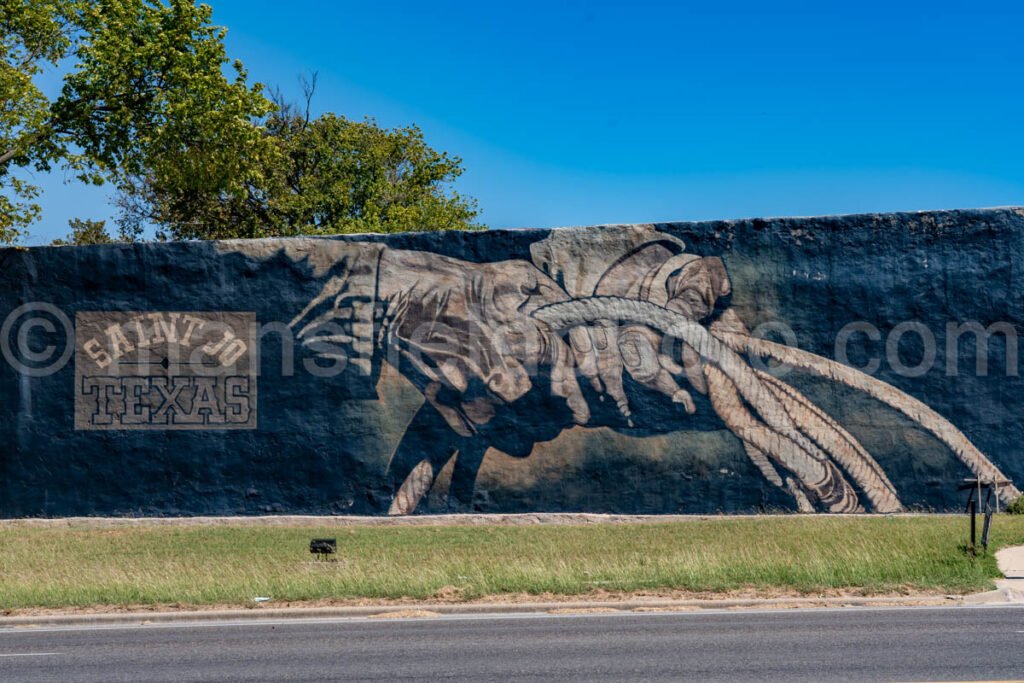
(165, 370)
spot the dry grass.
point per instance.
(194, 565)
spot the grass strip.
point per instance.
(202, 565)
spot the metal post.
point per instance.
(985, 529)
(987, 511)
(972, 507)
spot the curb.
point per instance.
(1007, 591)
(256, 613)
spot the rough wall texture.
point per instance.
(837, 364)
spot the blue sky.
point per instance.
(571, 113)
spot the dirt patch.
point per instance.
(449, 594)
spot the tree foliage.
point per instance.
(146, 90)
(33, 35)
(145, 104)
(327, 175)
(91, 232)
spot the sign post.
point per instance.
(976, 487)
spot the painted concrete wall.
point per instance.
(834, 364)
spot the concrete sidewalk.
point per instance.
(1009, 589)
(1011, 564)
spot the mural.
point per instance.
(474, 338)
(616, 369)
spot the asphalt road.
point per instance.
(916, 644)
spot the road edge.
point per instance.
(263, 612)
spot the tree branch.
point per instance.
(8, 155)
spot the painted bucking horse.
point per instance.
(507, 354)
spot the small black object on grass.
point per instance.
(322, 547)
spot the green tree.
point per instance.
(32, 36)
(90, 232)
(146, 94)
(146, 106)
(326, 175)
